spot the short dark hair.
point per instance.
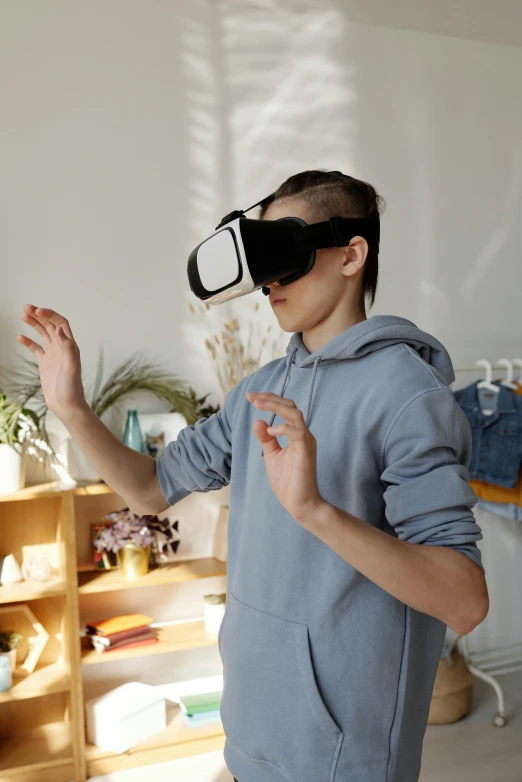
(330, 194)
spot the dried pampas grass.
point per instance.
(238, 349)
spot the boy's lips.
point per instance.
(276, 300)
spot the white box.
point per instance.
(125, 716)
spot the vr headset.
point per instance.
(243, 255)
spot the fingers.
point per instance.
(283, 407)
(267, 396)
(292, 432)
(267, 440)
(37, 326)
(49, 319)
(35, 349)
(63, 340)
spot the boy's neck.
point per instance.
(323, 332)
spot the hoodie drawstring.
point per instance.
(310, 390)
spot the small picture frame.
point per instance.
(158, 430)
(20, 618)
(102, 560)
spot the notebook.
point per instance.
(102, 644)
(195, 703)
(118, 624)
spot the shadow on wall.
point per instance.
(268, 94)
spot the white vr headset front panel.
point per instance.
(219, 265)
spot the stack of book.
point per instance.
(200, 708)
(121, 632)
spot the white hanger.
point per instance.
(487, 383)
(518, 362)
(508, 382)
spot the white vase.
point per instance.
(10, 572)
(213, 614)
(12, 469)
(11, 656)
(78, 467)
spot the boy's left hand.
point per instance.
(292, 471)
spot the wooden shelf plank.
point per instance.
(110, 580)
(47, 747)
(92, 488)
(31, 590)
(178, 740)
(33, 492)
(43, 681)
(37, 491)
(173, 638)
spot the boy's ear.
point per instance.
(355, 255)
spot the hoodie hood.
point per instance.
(375, 333)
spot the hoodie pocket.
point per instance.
(271, 708)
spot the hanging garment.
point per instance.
(327, 676)
(496, 438)
(500, 500)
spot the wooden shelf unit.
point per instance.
(42, 721)
(16, 593)
(177, 741)
(172, 638)
(91, 581)
(45, 753)
(48, 679)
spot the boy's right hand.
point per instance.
(59, 364)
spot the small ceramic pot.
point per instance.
(12, 469)
(11, 656)
(214, 611)
(134, 561)
(6, 675)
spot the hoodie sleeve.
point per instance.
(200, 458)
(425, 459)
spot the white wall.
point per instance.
(129, 128)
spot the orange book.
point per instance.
(115, 624)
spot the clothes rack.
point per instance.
(489, 664)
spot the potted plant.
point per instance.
(133, 375)
(18, 425)
(130, 539)
(9, 642)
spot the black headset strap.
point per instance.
(337, 232)
(237, 213)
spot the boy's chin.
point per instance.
(289, 324)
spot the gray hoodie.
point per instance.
(327, 677)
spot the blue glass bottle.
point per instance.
(133, 436)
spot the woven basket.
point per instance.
(451, 698)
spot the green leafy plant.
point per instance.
(136, 374)
(17, 423)
(9, 640)
(202, 410)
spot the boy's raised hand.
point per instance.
(58, 360)
(292, 471)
